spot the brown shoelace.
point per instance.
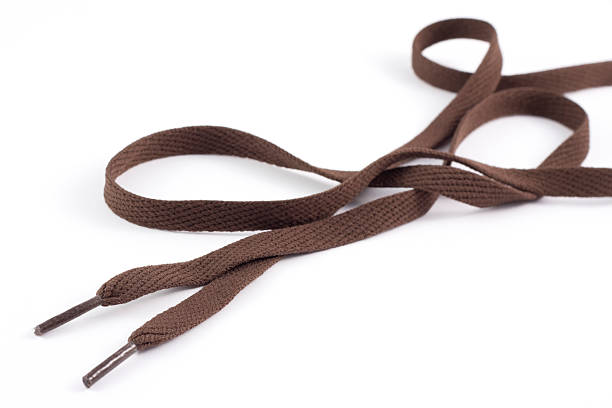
(310, 223)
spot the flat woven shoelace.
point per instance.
(310, 223)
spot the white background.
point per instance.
(464, 307)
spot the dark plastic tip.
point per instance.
(107, 365)
(68, 315)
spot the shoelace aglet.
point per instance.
(68, 315)
(107, 365)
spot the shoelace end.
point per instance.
(68, 315)
(107, 365)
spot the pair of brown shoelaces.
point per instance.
(310, 223)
